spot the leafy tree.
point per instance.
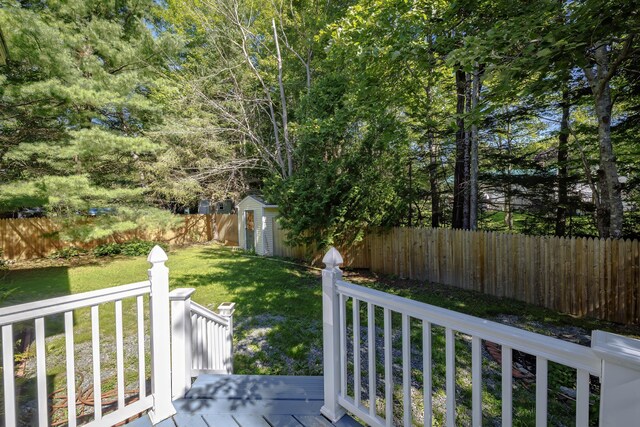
(76, 105)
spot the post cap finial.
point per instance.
(332, 258)
(157, 255)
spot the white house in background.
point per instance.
(255, 225)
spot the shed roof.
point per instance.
(260, 200)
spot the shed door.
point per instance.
(250, 231)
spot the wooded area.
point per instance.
(30, 238)
(492, 115)
(598, 278)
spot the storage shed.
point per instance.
(255, 225)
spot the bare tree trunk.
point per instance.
(508, 216)
(599, 76)
(459, 175)
(433, 182)
(563, 157)
(283, 103)
(272, 115)
(467, 157)
(473, 167)
(410, 191)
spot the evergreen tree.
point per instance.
(76, 107)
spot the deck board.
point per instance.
(252, 401)
(282, 421)
(251, 421)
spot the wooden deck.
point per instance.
(250, 401)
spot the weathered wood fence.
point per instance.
(28, 238)
(581, 276)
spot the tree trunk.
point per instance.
(473, 167)
(283, 102)
(466, 225)
(433, 182)
(563, 157)
(610, 190)
(459, 175)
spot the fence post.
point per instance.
(331, 335)
(160, 342)
(620, 381)
(226, 310)
(180, 341)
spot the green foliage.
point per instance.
(129, 105)
(108, 249)
(77, 107)
(68, 253)
(130, 248)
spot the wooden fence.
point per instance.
(581, 276)
(29, 238)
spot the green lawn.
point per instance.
(278, 321)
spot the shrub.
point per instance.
(140, 247)
(69, 252)
(108, 249)
(131, 248)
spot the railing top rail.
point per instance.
(32, 310)
(208, 314)
(553, 349)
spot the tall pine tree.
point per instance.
(76, 107)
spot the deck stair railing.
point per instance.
(350, 314)
(202, 341)
(209, 335)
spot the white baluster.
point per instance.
(43, 410)
(426, 368)
(8, 377)
(71, 372)
(95, 345)
(542, 381)
(450, 357)
(142, 375)
(406, 368)
(507, 384)
(357, 379)
(388, 368)
(371, 334)
(119, 354)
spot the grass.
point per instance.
(278, 321)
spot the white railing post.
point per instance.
(160, 330)
(226, 310)
(331, 335)
(180, 341)
(620, 380)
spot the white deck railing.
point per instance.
(612, 358)
(202, 340)
(211, 342)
